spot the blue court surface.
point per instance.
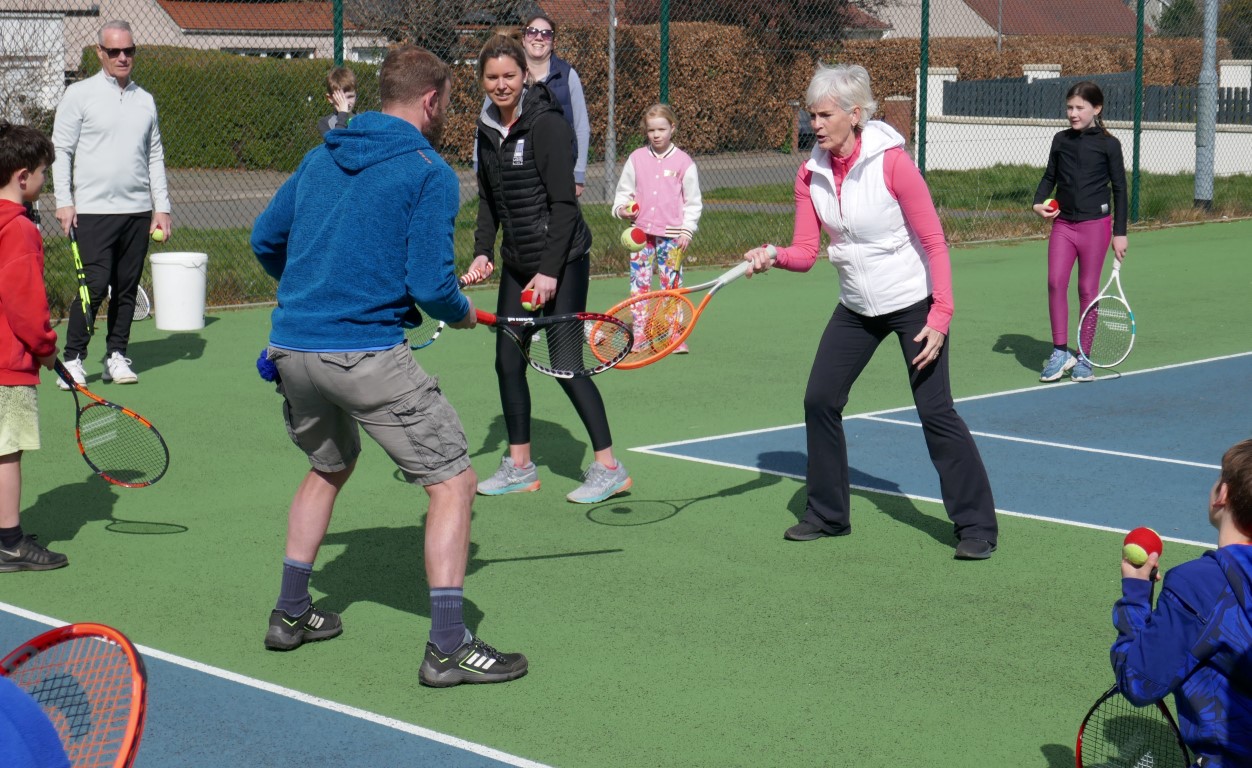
(203, 717)
(1138, 449)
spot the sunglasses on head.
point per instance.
(546, 34)
(113, 53)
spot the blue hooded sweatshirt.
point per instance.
(1197, 644)
(359, 233)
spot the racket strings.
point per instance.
(121, 446)
(1119, 735)
(658, 323)
(1106, 332)
(86, 687)
(576, 346)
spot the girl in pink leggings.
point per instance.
(1084, 163)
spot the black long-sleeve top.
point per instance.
(1082, 165)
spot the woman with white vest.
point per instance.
(862, 189)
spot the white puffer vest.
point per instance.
(881, 264)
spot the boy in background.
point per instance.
(27, 340)
(1197, 644)
(341, 93)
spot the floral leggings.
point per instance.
(669, 271)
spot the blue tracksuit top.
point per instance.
(1197, 644)
(361, 231)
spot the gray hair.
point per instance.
(118, 24)
(847, 86)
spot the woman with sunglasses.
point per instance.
(544, 66)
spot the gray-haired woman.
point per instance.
(863, 190)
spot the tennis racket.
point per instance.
(570, 346)
(118, 444)
(84, 294)
(91, 683)
(143, 305)
(1106, 329)
(1117, 734)
(661, 320)
(425, 333)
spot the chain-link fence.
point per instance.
(977, 87)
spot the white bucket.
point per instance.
(179, 282)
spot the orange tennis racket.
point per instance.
(91, 683)
(661, 320)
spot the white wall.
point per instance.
(32, 46)
(964, 143)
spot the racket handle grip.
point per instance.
(485, 317)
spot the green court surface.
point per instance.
(672, 626)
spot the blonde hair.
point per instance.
(659, 110)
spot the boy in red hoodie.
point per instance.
(27, 340)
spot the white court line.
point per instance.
(333, 706)
(916, 497)
(868, 414)
(1050, 444)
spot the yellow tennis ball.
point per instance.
(158, 235)
(1135, 554)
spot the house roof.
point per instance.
(1057, 17)
(252, 17)
(576, 13)
(858, 18)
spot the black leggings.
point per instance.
(511, 367)
(113, 247)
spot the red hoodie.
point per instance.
(25, 327)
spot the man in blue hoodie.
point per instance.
(338, 345)
(1197, 644)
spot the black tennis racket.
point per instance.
(91, 683)
(1106, 330)
(84, 294)
(570, 346)
(1117, 734)
(118, 444)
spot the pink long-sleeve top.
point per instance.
(906, 185)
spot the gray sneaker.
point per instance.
(510, 478)
(599, 483)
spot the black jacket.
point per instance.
(526, 188)
(1082, 165)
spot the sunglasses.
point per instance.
(546, 34)
(113, 53)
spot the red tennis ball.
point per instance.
(634, 239)
(1140, 543)
(528, 300)
(1051, 205)
(632, 208)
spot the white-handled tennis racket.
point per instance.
(425, 333)
(1106, 329)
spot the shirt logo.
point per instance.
(518, 150)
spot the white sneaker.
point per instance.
(117, 370)
(77, 373)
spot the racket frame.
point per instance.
(138, 687)
(417, 341)
(98, 402)
(1115, 280)
(521, 329)
(680, 294)
(1165, 715)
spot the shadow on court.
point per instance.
(553, 447)
(628, 511)
(1058, 756)
(899, 508)
(1031, 353)
(59, 514)
(174, 348)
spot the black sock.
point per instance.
(447, 623)
(1060, 348)
(11, 537)
(294, 599)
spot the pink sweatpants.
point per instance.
(1086, 242)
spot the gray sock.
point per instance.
(447, 624)
(294, 598)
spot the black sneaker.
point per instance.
(473, 662)
(287, 633)
(30, 555)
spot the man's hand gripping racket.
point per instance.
(423, 334)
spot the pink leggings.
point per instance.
(1086, 242)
